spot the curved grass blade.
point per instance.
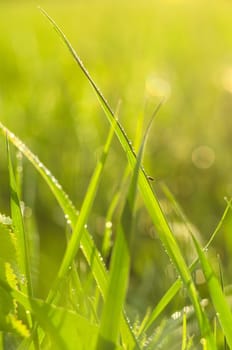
(62, 198)
(120, 263)
(89, 249)
(149, 198)
(87, 244)
(17, 218)
(117, 198)
(217, 296)
(173, 290)
(119, 270)
(74, 242)
(65, 328)
(121, 134)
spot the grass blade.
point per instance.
(119, 273)
(217, 296)
(88, 246)
(166, 299)
(74, 242)
(173, 290)
(23, 255)
(120, 262)
(89, 249)
(113, 307)
(104, 104)
(17, 218)
(184, 332)
(65, 328)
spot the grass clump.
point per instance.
(86, 305)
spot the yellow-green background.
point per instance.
(136, 51)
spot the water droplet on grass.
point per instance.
(6, 220)
(23, 280)
(48, 172)
(176, 315)
(108, 224)
(68, 221)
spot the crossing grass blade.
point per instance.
(175, 287)
(90, 251)
(218, 298)
(120, 262)
(74, 242)
(65, 329)
(149, 198)
(87, 244)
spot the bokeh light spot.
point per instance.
(203, 157)
(157, 87)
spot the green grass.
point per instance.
(97, 295)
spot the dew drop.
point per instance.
(23, 280)
(203, 341)
(176, 315)
(48, 173)
(12, 136)
(108, 224)
(5, 220)
(67, 219)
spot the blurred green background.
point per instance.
(137, 51)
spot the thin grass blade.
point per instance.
(17, 218)
(184, 332)
(175, 287)
(88, 246)
(89, 249)
(74, 242)
(120, 262)
(166, 299)
(65, 328)
(217, 296)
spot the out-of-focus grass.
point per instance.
(136, 52)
